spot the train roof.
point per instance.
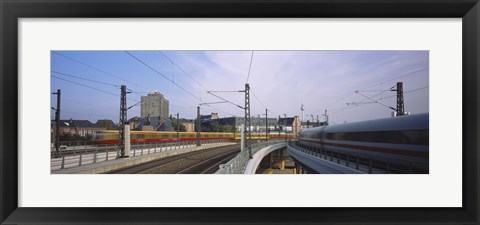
(408, 122)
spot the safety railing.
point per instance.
(91, 154)
(363, 162)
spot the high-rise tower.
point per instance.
(154, 105)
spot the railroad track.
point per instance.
(187, 162)
(209, 166)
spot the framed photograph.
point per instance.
(360, 112)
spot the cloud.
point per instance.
(282, 79)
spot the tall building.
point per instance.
(154, 105)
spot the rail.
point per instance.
(91, 154)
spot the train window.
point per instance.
(413, 137)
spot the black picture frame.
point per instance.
(12, 10)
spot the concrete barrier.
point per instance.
(259, 155)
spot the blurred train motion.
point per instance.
(112, 136)
(404, 138)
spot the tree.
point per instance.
(175, 125)
(75, 137)
(227, 128)
(216, 127)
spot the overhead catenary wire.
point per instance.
(261, 103)
(210, 92)
(157, 72)
(405, 92)
(344, 108)
(93, 88)
(81, 78)
(395, 78)
(233, 115)
(136, 102)
(254, 95)
(375, 101)
(91, 114)
(371, 85)
(97, 69)
(171, 99)
(371, 97)
(85, 103)
(85, 86)
(250, 67)
(110, 74)
(181, 69)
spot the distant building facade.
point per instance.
(212, 116)
(108, 124)
(82, 128)
(290, 124)
(150, 123)
(154, 105)
(235, 123)
(189, 124)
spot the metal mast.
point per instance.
(57, 122)
(400, 103)
(247, 131)
(198, 126)
(178, 127)
(123, 119)
(266, 124)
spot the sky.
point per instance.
(350, 85)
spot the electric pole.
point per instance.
(198, 126)
(178, 127)
(248, 124)
(57, 122)
(400, 103)
(326, 118)
(279, 129)
(123, 119)
(266, 125)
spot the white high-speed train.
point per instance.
(402, 138)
